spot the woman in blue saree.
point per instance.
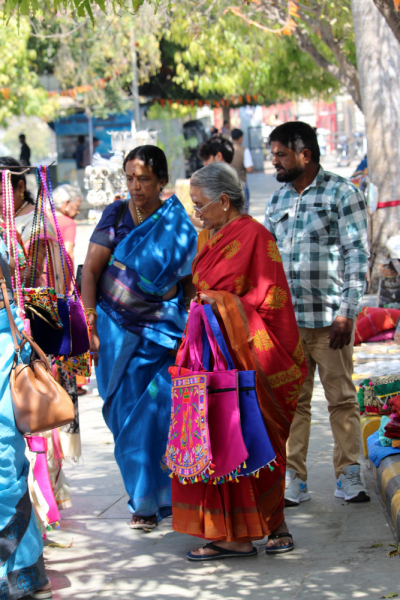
(22, 571)
(134, 283)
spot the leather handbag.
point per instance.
(39, 402)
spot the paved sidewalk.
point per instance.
(333, 556)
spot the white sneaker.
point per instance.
(349, 485)
(296, 490)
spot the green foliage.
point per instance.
(221, 54)
(82, 8)
(99, 56)
(20, 90)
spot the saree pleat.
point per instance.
(241, 269)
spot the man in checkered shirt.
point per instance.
(319, 221)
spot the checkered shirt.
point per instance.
(322, 238)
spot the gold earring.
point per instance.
(22, 196)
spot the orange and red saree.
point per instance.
(241, 268)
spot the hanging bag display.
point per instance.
(53, 340)
(79, 323)
(39, 402)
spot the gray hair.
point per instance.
(219, 178)
(65, 193)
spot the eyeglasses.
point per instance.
(200, 210)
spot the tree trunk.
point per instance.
(378, 61)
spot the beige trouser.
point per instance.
(335, 369)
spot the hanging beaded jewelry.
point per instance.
(11, 236)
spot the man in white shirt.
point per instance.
(242, 162)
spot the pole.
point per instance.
(90, 127)
(135, 86)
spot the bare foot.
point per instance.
(45, 588)
(238, 546)
(283, 541)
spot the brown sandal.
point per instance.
(148, 522)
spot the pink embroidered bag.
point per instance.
(205, 437)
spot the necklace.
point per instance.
(139, 214)
(20, 208)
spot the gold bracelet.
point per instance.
(91, 311)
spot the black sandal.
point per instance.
(279, 549)
(221, 553)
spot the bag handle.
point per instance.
(215, 328)
(200, 338)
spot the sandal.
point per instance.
(221, 553)
(279, 549)
(148, 522)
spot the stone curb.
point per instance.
(388, 478)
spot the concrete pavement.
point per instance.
(334, 557)
(340, 548)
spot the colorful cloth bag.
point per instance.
(255, 435)
(205, 438)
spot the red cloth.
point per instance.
(372, 321)
(241, 269)
(394, 404)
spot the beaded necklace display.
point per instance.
(63, 253)
(10, 236)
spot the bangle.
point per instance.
(91, 311)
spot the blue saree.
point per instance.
(21, 547)
(137, 331)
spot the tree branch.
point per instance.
(353, 87)
(387, 9)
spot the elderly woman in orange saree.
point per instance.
(238, 271)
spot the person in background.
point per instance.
(86, 155)
(226, 129)
(25, 156)
(67, 200)
(79, 153)
(319, 221)
(242, 162)
(217, 148)
(213, 131)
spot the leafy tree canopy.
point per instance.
(221, 54)
(20, 91)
